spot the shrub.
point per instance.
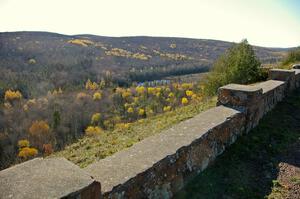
(149, 111)
(141, 112)
(292, 57)
(122, 126)
(238, 65)
(151, 90)
(97, 96)
(167, 108)
(186, 86)
(140, 90)
(195, 97)
(130, 110)
(171, 95)
(189, 93)
(108, 124)
(40, 133)
(39, 128)
(96, 118)
(27, 152)
(23, 143)
(11, 95)
(82, 96)
(126, 94)
(93, 130)
(89, 85)
(184, 101)
(48, 149)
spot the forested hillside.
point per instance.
(36, 62)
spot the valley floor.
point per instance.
(263, 164)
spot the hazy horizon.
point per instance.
(263, 23)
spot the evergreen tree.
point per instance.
(56, 119)
(238, 64)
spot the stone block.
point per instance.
(237, 95)
(47, 178)
(246, 98)
(273, 92)
(283, 75)
(297, 77)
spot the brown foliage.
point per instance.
(48, 149)
(39, 128)
(40, 133)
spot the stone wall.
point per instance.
(158, 166)
(47, 178)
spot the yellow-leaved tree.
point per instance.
(25, 151)
(93, 130)
(97, 96)
(96, 118)
(11, 95)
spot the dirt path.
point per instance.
(287, 184)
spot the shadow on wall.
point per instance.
(265, 162)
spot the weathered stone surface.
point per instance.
(246, 98)
(273, 92)
(253, 100)
(159, 166)
(288, 76)
(47, 178)
(238, 95)
(297, 77)
(270, 85)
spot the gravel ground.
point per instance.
(287, 184)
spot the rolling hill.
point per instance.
(35, 62)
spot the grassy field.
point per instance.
(88, 149)
(251, 167)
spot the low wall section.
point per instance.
(158, 166)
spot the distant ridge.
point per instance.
(57, 60)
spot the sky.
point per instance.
(270, 23)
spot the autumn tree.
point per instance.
(11, 95)
(23, 143)
(25, 151)
(48, 149)
(39, 131)
(184, 101)
(95, 120)
(89, 85)
(93, 130)
(97, 96)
